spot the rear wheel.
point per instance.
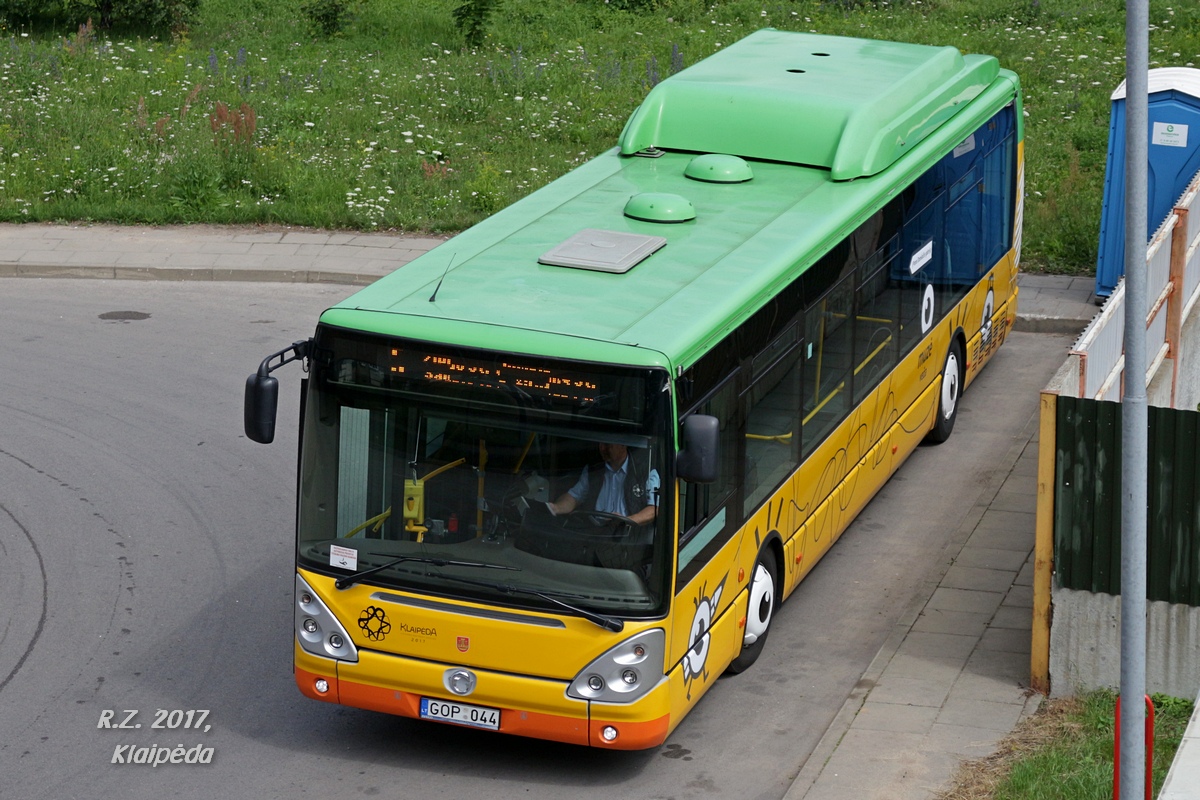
(952, 381)
(760, 612)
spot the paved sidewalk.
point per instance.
(1049, 303)
(204, 253)
(947, 685)
(1054, 303)
(951, 680)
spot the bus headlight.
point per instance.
(317, 629)
(626, 672)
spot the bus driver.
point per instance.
(615, 486)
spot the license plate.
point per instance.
(460, 713)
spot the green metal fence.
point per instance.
(1087, 500)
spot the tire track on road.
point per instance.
(41, 624)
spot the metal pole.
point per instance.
(1134, 414)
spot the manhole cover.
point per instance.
(124, 316)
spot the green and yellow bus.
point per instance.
(556, 475)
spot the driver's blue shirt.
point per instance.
(612, 494)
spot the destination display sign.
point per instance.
(542, 379)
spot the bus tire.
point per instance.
(949, 395)
(761, 610)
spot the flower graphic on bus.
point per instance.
(695, 659)
(374, 623)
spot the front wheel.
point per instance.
(760, 612)
(951, 393)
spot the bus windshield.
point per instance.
(463, 473)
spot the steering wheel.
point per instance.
(625, 524)
(583, 512)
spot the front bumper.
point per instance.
(535, 707)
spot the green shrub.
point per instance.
(635, 6)
(326, 17)
(472, 18)
(148, 14)
(153, 15)
(20, 12)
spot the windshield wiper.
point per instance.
(350, 580)
(608, 623)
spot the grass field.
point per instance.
(1065, 752)
(394, 123)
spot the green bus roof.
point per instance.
(853, 106)
(721, 251)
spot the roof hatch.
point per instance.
(602, 251)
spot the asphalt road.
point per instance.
(146, 564)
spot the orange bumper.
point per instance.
(530, 707)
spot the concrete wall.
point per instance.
(1066, 379)
(1187, 389)
(1085, 645)
(1158, 393)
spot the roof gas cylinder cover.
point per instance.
(718, 168)
(660, 207)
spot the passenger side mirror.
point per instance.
(261, 402)
(698, 461)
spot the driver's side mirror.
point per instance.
(261, 402)
(262, 392)
(698, 461)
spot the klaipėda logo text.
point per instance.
(416, 630)
(155, 756)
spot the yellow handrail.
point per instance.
(783, 437)
(821, 405)
(873, 353)
(442, 469)
(377, 520)
(483, 459)
(525, 452)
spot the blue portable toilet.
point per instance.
(1174, 158)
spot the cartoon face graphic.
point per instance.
(928, 307)
(989, 306)
(696, 658)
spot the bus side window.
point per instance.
(999, 178)
(964, 210)
(772, 409)
(828, 362)
(920, 261)
(876, 323)
(704, 522)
